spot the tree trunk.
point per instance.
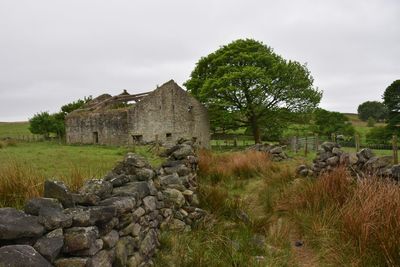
(256, 130)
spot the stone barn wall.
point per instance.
(113, 221)
(107, 128)
(171, 113)
(168, 112)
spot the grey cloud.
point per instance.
(53, 52)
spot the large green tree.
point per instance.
(246, 81)
(391, 99)
(372, 109)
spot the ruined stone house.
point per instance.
(165, 114)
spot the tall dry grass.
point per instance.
(371, 217)
(358, 219)
(20, 181)
(240, 165)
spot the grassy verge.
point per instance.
(25, 166)
(236, 232)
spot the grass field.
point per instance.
(13, 129)
(25, 166)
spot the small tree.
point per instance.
(42, 123)
(391, 98)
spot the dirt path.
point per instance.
(301, 253)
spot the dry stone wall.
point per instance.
(113, 221)
(330, 156)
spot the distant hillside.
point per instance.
(11, 129)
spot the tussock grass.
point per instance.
(349, 223)
(18, 182)
(240, 165)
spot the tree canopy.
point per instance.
(45, 123)
(372, 109)
(329, 122)
(245, 81)
(391, 99)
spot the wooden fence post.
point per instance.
(306, 147)
(296, 144)
(333, 137)
(316, 142)
(357, 141)
(395, 150)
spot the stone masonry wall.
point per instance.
(171, 113)
(111, 127)
(113, 221)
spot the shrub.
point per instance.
(379, 135)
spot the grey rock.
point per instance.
(176, 225)
(276, 150)
(127, 230)
(79, 238)
(139, 189)
(365, 153)
(173, 163)
(183, 152)
(16, 224)
(125, 247)
(170, 179)
(54, 218)
(50, 245)
(110, 239)
(103, 258)
(175, 196)
(119, 180)
(121, 204)
(333, 161)
(136, 161)
(181, 170)
(150, 203)
(80, 216)
(144, 174)
(336, 151)
(395, 172)
(73, 262)
(136, 229)
(135, 260)
(21, 256)
(33, 205)
(85, 199)
(107, 227)
(139, 212)
(56, 233)
(328, 146)
(149, 243)
(325, 155)
(376, 163)
(98, 187)
(102, 214)
(92, 250)
(58, 190)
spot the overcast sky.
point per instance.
(53, 52)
